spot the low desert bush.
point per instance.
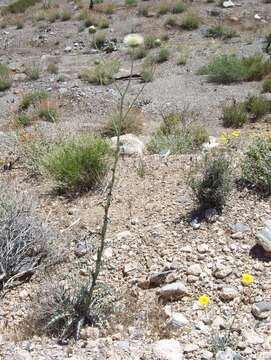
(32, 98)
(33, 71)
(190, 22)
(162, 55)
(212, 184)
(229, 68)
(177, 134)
(178, 8)
(147, 72)
(59, 309)
(234, 115)
(130, 2)
(103, 22)
(47, 110)
(163, 8)
(5, 77)
(257, 106)
(52, 68)
(101, 74)
(172, 21)
(78, 164)
(149, 41)
(53, 15)
(23, 119)
(220, 32)
(138, 53)
(99, 39)
(132, 124)
(256, 166)
(24, 238)
(267, 85)
(20, 6)
(143, 10)
(65, 15)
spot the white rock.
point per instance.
(257, 17)
(173, 291)
(124, 235)
(252, 338)
(228, 293)
(264, 238)
(206, 355)
(194, 269)
(68, 49)
(108, 253)
(188, 348)
(227, 4)
(218, 323)
(211, 143)
(130, 144)
(227, 354)
(167, 349)
(203, 248)
(178, 319)
(22, 355)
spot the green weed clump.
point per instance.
(102, 73)
(5, 77)
(190, 22)
(234, 115)
(177, 134)
(20, 6)
(212, 185)
(267, 85)
(78, 164)
(132, 124)
(220, 32)
(256, 166)
(230, 68)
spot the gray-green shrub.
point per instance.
(5, 77)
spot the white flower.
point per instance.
(133, 40)
(92, 29)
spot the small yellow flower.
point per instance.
(247, 279)
(236, 133)
(204, 300)
(224, 138)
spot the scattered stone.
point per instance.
(22, 355)
(239, 228)
(167, 349)
(264, 238)
(203, 248)
(227, 354)
(212, 143)
(261, 310)
(228, 4)
(90, 332)
(206, 355)
(178, 320)
(130, 145)
(257, 17)
(128, 268)
(188, 348)
(222, 271)
(80, 249)
(252, 338)
(173, 291)
(194, 269)
(211, 215)
(195, 224)
(228, 293)
(218, 323)
(108, 253)
(68, 49)
(154, 280)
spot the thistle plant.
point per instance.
(80, 311)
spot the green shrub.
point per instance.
(257, 106)
(256, 166)
(23, 119)
(132, 124)
(178, 8)
(78, 164)
(143, 10)
(5, 77)
(19, 24)
(234, 115)
(182, 59)
(229, 68)
(221, 32)
(163, 8)
(32, 98)
(149, 41)
(33, 71)
(103, 22)
(212, 185)
(130, 2)
(20, 6)
(190, 22)
(47, 111)
(147, 72)
(99, 40)
(267, 85)
(52, 68)
(101, 74)
(177, 134)
(162, 56)
(171, 21)
(138, 53)
(52, 16)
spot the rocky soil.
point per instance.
(160, 257)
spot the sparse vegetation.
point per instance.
(132, 124)
(212, 185)
(177, 134)
(65, 15)
(162, 55)
(190, 22)
(78, 164)
(257, 106)
(178, 8)
(52, 68)
(229, 68)
(32, 98)
(20, 6)
(163, 8)
(47, 110)
(267, 85)
(221, 32)
(256, 167)
(5, 77)
(234, 115)
(33, 71)
(101, 74)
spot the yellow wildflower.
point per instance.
(247, 279)
(236, 133)
(224, 138)
(204, 300)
